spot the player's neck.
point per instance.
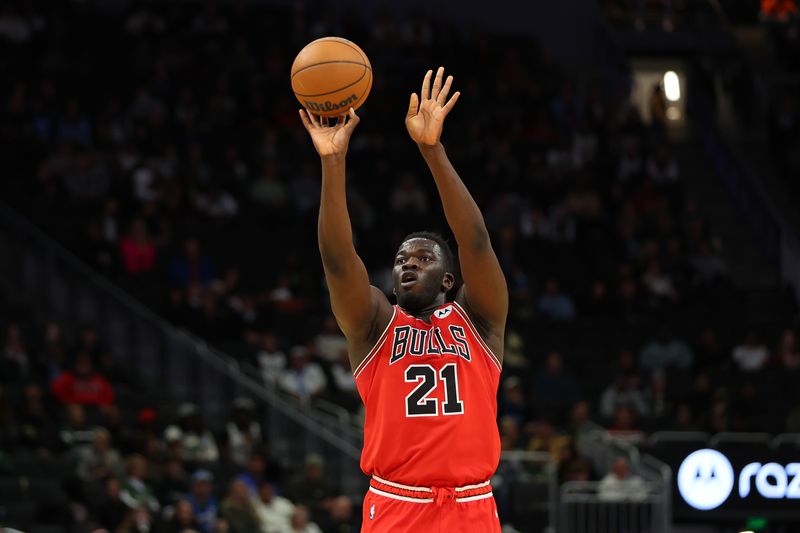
(425, 314)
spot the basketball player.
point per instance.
(427, 369)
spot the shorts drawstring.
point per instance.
(443, 494)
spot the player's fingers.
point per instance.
(413, 105)
(437, 83)
(313, 119)
(425, 93)
(354, 120)
(324, 121)
(449, 105)
(442, 98)
(341, 120)
(304, 119)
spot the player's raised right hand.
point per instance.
(330, 139)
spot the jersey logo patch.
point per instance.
(372, 512)
(443, 312)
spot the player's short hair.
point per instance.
(448, 258)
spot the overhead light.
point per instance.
(672, 86)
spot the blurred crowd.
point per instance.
(68, 413)
(160, 143)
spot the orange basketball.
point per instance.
(331, 75)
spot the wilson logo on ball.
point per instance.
(330, 106)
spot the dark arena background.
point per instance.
(169, 360)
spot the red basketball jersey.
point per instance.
(430, 391)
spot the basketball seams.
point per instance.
(328, 63)
(335, 90)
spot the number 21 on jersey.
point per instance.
(418, 403)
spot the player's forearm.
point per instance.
(462, 213)
(334, 231)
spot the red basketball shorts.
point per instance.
(394, 508)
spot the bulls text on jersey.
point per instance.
(417, 342)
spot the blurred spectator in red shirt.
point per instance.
(82, 385)
(137, 249)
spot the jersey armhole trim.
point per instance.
(460, 310)
(375, 349)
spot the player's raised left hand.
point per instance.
(426, 113)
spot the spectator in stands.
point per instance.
(136, 493)
(788, 352)
(624, 391)
(239, 510)
(198, 444)
(659, 284)
(243, 432)
(665, 351)
(309, 487)
(274, 511)
(510, 434)
(341, 517)
(579, 423)
(545, 437)
(512, 400)
(216, 203)
(15, 365)
(330, 341)
(554, 304)
(98, 461)
(301, 522)
(303, 379)
(684, 419)
(343, 391)
(751, 355)
(173, 483)
(659, 403)
(137, 249)
(709, 350)
(192, 267)
(707, 265)
(271, 359)
(53, 358)
(82, 385)
(76, 431)
(182, 520)
(624, 425)
(620, 485)
(37, 429)
(112, 510)
(138, 520)
(89, 342)
(554, 389)
(268, 191)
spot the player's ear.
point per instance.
(448, 281)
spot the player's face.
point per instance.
(419, 274)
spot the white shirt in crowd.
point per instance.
(272, 365)
(615, 489)
(329, 345)
(274, 516)
(343, 378)
(750, 358)
(304, 382)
